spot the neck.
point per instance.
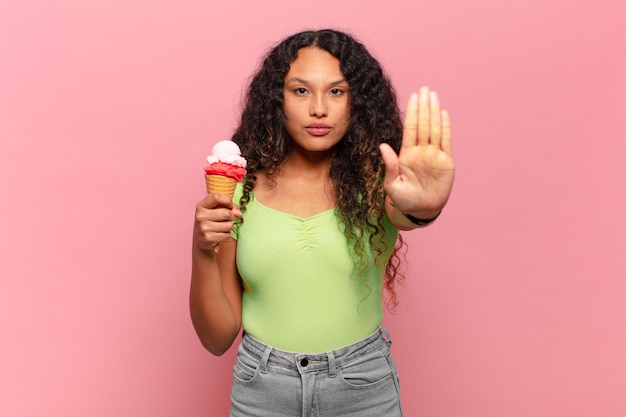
(312, 165)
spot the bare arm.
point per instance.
(215, 293)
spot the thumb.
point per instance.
(390, 158)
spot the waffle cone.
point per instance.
(220, 184)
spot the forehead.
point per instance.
(315, 64)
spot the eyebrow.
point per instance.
(302, 81)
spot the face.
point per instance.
(316, 102)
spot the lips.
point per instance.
(317, 129)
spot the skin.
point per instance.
(418, 181)
(315, 92)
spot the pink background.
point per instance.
(515, 300)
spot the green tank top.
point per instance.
(300, 291)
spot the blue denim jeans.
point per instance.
(359, 380)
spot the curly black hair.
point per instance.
(356, 168)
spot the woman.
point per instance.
(304, 257)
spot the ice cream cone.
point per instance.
(220, 184)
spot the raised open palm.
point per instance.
(419, 180)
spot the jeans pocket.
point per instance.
(246, 367)
(367, 371)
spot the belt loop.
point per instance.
(264, 359)
(332, 367)
(386, 335)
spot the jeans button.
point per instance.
(304, 362)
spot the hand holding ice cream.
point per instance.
(226, 168)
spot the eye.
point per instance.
(336, 92)
(300, 91)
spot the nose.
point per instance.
(319, 106)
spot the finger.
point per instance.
(446, 134)
(211, 241)
(214, 225)
(223, 214)
(435, 120)
(213, 230)
(423, 117)
(216, 215)
(409, 133)
(390, 159)
(208, 233)
(216, 200)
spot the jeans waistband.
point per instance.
(313, 362)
